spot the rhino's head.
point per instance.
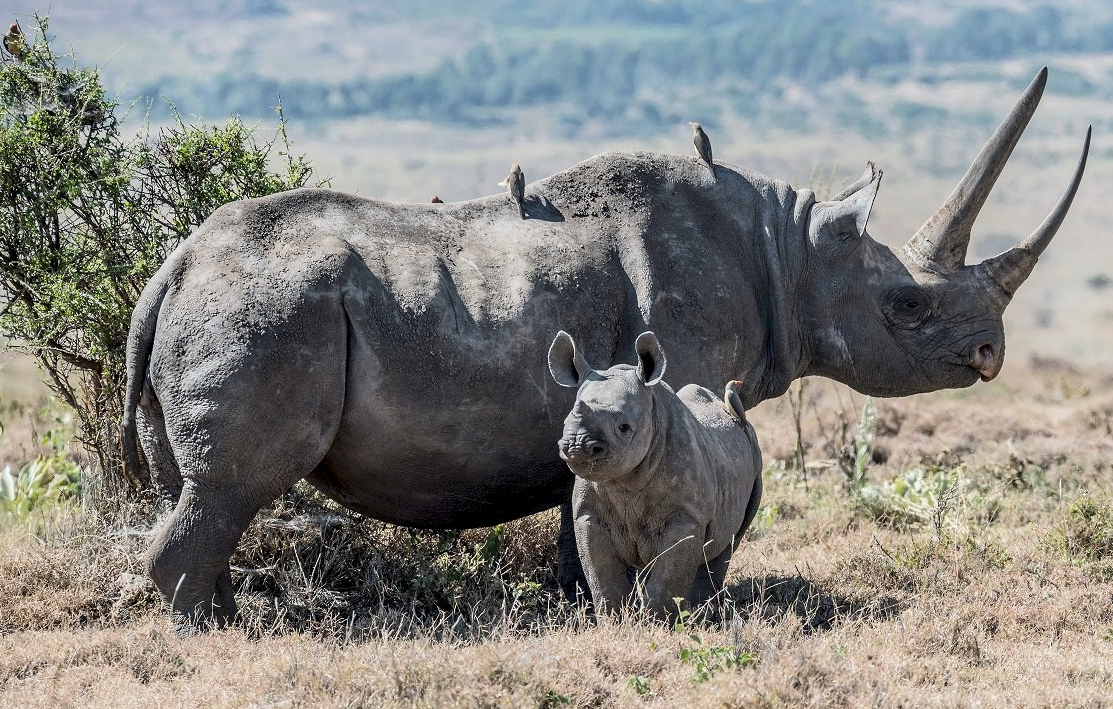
(611, 426)
(892, 324)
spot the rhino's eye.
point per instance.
(624, 428)
(907, 306)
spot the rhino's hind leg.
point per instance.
(151, 426)
(710, 578)
(188, 559)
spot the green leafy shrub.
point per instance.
(49, 478)
(89, 212)
(308, 565)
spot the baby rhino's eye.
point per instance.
(624, 428)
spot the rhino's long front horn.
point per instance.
(942, 241)
(1008, 270)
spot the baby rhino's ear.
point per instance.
(651, 358)
(566, 364)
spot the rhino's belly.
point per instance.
(448, 454)
(442, 493)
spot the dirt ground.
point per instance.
(971, 565)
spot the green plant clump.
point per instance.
(88, 212)
(706, 661)
(51, 477)
(929, 498)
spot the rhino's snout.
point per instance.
(581, 451)
(988, 359)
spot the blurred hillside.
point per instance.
(403, 100)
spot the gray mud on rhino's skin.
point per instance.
(393, 354)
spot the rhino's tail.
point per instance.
(141, 335)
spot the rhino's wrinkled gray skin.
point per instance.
(394, 354)
(666, 482)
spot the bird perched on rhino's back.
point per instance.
(516, 183)
(436, 200)
(703, 145)
(14, 42)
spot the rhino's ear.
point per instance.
(847, 215)
(651, 358)
(566, 363)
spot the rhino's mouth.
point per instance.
(597, 471)
(586, 461)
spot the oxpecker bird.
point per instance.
(732, 400)
(703, 145)
(516, 182)
(437, 200)
(14, 42)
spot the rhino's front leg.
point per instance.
(672, 572)
(606, 572)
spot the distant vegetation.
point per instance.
(630, 62)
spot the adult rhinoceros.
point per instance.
(394, 354)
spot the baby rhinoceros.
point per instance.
(666, 482)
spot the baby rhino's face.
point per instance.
(608, 432)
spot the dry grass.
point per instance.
(995, 591)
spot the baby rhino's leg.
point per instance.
(671, 573)
(605, 571)
(710, 577)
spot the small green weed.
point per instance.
(554, 698)
(1021, 474)
(640, 685)
(854, 460)
(708, 660)
(766, 517)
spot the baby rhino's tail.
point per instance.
(732, 401)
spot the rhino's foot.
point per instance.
(216, 611)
